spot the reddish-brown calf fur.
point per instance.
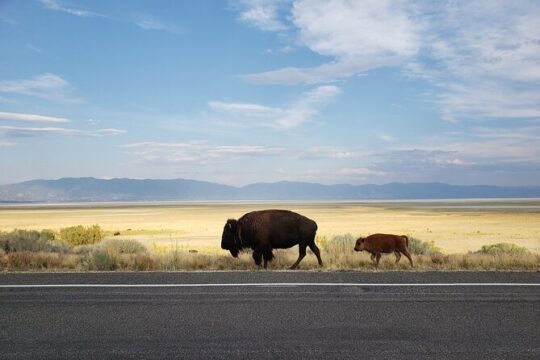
(384, 243)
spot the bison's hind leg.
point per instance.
(316, 251)
(301, 255)
(398, 256)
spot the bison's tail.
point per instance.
(406, 240)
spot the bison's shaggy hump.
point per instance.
(265, 230)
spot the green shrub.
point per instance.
(47, 234)
(124, 246)
(439, 258)
(104, 260)
(503, 248)
(419, 247)
(80, 235)
(339, 244)
(30, 240)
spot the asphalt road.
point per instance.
(191, 315)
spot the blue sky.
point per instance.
(237, 92)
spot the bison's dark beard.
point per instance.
(234, 253)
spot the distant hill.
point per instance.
(91, 189)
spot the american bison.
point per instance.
(265, 230)
(384, 243)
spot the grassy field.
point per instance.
(454, 226)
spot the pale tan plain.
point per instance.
(198, 226)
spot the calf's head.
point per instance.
(229, 239)
(360, 244)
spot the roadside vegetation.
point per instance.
(81, 248)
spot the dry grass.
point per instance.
(337, 253)
(187, 236)
(199, 226)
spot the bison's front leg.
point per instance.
(257, 256)
(267, 256)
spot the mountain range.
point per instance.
(90, 189)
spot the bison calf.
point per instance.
(384, 243)
(265, 230)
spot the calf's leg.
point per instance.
(301, 255)
(408, 255)
(373, 257)
(398, 256)
(378, 258)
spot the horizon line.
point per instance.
(263, 182)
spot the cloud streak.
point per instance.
(18, 131)
(357, 36)
(10, 116)
(195, 152)
(261, 14)
(332, 152)
(45, 86)
(58, 6)
(360, 171)
(482, 56)
(151, 23)
(301, 111)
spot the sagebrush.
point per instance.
(23, 250)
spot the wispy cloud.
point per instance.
(59, 6)
(385, 137)
(282, 50)
(482, 56)
(301, 111)
(152, 23)
(45, 86)
(10, 116)
(413, 158)
(485, 60)
(509, 155)
(34, 48)
(331, 152)
(18, 131)
(357, 36)
(262, 14)
(360, 171)
(195, 152)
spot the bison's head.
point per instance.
(359, 244)
(230, 240)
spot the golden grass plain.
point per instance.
(454, 226)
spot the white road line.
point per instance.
(202, 285)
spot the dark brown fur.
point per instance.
(265, 230)
(384, 243)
